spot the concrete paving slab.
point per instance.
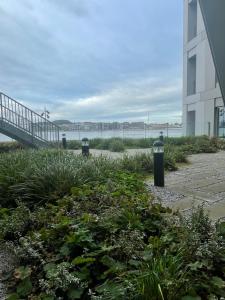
(200, 182)
(215, 188)
(217, 210)
(185, 203)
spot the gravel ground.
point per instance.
(164, 195)
(6, 264)
(169, 198)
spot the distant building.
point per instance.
(203, 109)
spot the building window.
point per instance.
(192, 19)
(191, 76)
(221, 119)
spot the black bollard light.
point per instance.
(158, 150)
(85, 147)
(64, 142)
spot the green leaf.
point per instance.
(113, 290)
(195, 266)
(64, 250)
(221, 228)
(134, 263)
(24, 288)
(4, 212)
(108, 261)
(22, 272)
(75, 293)
(49, 267)
(218, 282)
(13, 297)
(83, 260)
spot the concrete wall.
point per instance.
(208, 95)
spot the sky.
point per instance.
(94, 60)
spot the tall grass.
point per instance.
(45, 175)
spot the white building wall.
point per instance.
(207, 96)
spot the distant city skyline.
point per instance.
(66, 125)
(94, 60)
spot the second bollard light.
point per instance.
(64, 142)
(85, 147)
(158, 150)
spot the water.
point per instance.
(134, 134)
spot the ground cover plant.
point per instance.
(38, 176)
(189, 145)
(88, 229)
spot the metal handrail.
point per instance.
(20, 116)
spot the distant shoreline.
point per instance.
(125, 129)
(110, 133)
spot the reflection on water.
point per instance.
(134, 134)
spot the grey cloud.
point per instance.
(129, 101)
(82, 64)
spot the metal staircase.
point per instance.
(24, 125)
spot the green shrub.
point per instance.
(103, 145)
(45, 175)
(93, 143)
(108, 241)
(139, 163)
(188, 145)
(74, 145)
(116, 146)
(169, 162)
(219, 143)
(88, 229)
(175, 153)
(138, 143)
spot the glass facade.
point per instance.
(221, 122)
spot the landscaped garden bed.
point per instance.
(89, 229)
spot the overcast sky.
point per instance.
(89, 60)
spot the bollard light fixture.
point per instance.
(85, 142)
(64, 142)
(158, 153)
(158, 147)
(85, 147)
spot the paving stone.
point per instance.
(185, 203)
(200, 182)
(217, 210)
(215, 188)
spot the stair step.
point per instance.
(24, 125)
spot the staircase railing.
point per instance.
(27, 120)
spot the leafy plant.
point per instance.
(88, 229)
(116, 146)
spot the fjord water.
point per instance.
(135, 134)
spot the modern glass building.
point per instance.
(203, 106)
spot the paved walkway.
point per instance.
(201, 181)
